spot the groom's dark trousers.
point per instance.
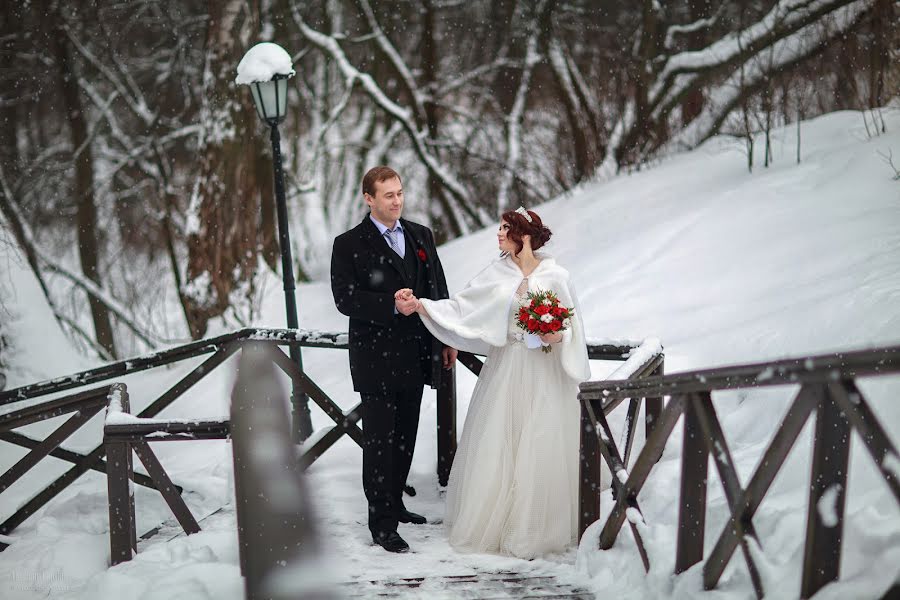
(392, 357)
(390, 422)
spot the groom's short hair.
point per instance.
(376, 174)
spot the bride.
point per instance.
(513, 487)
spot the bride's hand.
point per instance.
(551, 338)
(403, 294)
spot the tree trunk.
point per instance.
(444, 228)
(223, 247)
(884, 30)
(694, 100)
(86, 215)
(9, 44)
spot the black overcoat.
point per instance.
(388, 351)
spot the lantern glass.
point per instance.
(270, 98)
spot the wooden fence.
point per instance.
(122, 435)
(828, 389)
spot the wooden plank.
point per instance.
(186, 382)
(611, 455)
(50, 409)
(589, 469)
(121, 368)
(330, 438)
(71, 457)
(692, 504)
(877, 442)
(745, 506)
(166, 487)
(630, 427)
(175, 430)
(827, 497)
(50, 492)
(653, 405)
(315, 392)
(46, 446)
(471, 362)
(718, 447)
(305, 338)
(648, 457)
(121, 517)
(815, 369)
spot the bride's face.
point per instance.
(503, 241)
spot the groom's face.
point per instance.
(387, 203)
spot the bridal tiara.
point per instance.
(521, 210)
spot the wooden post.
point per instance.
(588, 473)
(276, 529)
(827, 495)
(653, 406)
(120, 489)
(446, 424)
(692, 511)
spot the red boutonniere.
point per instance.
(421, 254)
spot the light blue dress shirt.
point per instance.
(396, 234)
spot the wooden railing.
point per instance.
(119, 436)
(82, 406)
(828, 389)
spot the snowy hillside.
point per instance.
(723, 266)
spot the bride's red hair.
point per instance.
(519, 226)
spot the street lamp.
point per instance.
(266, 68)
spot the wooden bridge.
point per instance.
(828, 390)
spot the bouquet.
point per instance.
(542, 313)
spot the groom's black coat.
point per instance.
(388, 351)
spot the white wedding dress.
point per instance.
(513, 488)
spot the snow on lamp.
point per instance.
(266, 68)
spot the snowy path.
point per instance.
(362, 570)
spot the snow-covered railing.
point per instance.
(125, 428)
(144, 426)
(82, 406)
(301, 337)
(828, 389)
(124, 433)
(640, 360)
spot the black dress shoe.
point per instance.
(404, 516)
(392, 542)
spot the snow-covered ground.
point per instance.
(722, 265)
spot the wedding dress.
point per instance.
(513, 486)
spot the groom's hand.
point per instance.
(406, 306)
(449, 356)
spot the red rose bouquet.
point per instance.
(542, 313)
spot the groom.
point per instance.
(392, 355)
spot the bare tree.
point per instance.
(86, 212)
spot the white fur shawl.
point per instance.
(477, 317)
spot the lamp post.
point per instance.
(266, 68)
